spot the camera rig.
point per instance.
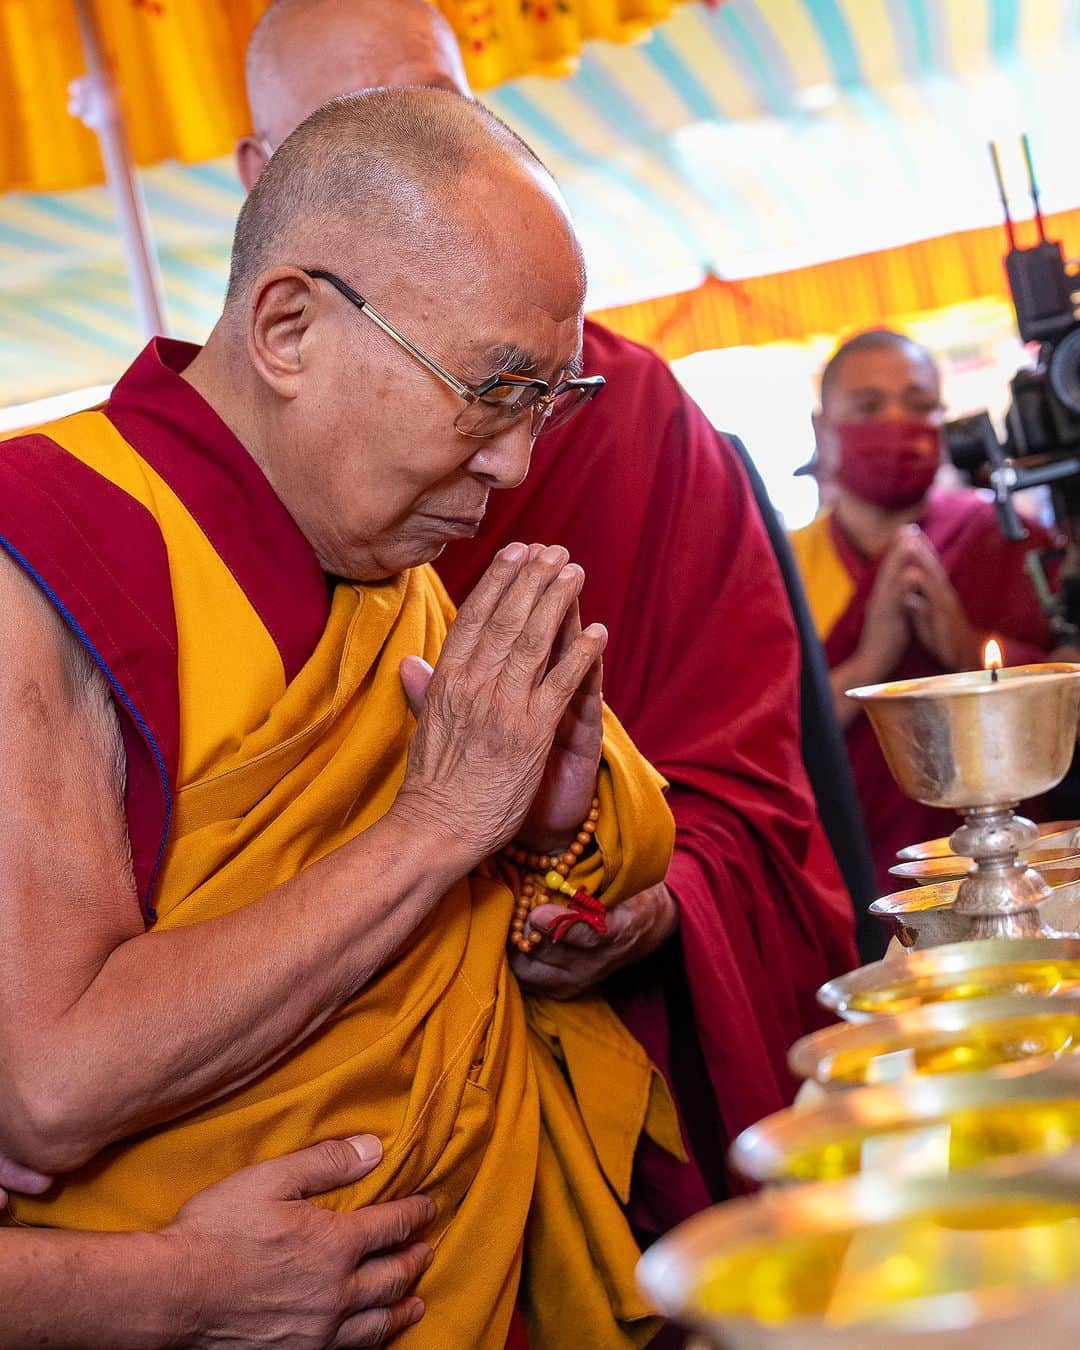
(1041, 446)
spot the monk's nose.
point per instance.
(503, 460)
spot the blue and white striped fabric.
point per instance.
(752, 138)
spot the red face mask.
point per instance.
(888, 463)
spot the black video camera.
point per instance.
(1042, 425)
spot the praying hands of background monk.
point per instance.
(912, 596)
(80, 1072)
(247, 1262)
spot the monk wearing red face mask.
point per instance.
(902, 580)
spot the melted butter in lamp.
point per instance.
(853, 1277)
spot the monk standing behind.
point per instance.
(703, 667)
(902, 581)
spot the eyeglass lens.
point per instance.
(488, 416)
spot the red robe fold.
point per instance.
(998, 598)
(703, 669)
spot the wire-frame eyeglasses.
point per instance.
(500, 400)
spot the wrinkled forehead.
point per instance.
(484, 279)
(500, 304)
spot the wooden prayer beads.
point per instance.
(535, 867)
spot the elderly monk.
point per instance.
(298, 920)
(703, 666)
(902, 580)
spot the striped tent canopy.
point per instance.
(179, 68)
(761, 137)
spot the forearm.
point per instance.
(241, 990)
(849, 674)
(71, 1291)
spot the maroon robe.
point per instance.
(702, 668)
(998, 598)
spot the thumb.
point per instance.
(323, 1167)
(415, 678)
(15, 1177)
(583, 935)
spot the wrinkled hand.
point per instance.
(508, 735)
(15, 1177)
(266, 1267)
(583, 958)
(937, 614)
(886, 630)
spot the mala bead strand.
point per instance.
(536, 868)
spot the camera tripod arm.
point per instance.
(1004, 481)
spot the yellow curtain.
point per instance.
(179, 66)
(831, 298)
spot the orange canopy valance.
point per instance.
(832, 298)
(179, 66)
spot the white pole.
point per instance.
(94, 100)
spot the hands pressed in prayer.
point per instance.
(885, 634)
(508, 736)
(937, 613)
(886, 631)
(912, 597)
(584, 958)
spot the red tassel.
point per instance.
(585, 909)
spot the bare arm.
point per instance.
(83, 981)
(82, 976)
(84, 1289)
(247, 1263)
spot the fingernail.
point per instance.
(514, 552)
(416, 1311)
(553, 554)
(570, 572)
(427, 1260)
(368, 1148)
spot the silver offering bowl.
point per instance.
(997, 1036)
(920, 1126)
(982, 1260)
(981, 746)
(959, 971)
(926, 916)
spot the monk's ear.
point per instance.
(283, 308)
(251, 158)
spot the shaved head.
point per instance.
(874, 340)
(402, 254)
(304, 52)
(388, 171)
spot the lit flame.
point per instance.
(992, 656)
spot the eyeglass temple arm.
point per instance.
(391, 331)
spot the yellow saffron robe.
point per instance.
(520, 1122)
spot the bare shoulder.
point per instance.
(49, 687)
